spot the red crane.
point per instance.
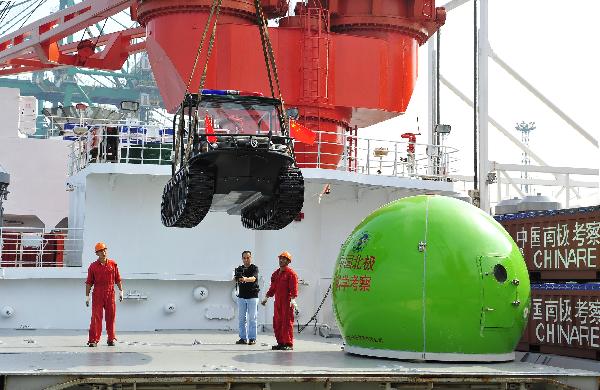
(341, 62)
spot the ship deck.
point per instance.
(59, 359)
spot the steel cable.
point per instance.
(31, 13)
(270, 61)
(17, 21)
(8, 8)
(4, 11)
(314, 317)
(216, 4)
(210, 16)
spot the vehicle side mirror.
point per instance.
(293, 113)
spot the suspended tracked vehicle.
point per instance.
(233, 153)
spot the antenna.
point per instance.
(525, 129)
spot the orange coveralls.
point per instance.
(284, 286)
(103, 277)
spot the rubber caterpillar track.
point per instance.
(282, 208)
(187, 197)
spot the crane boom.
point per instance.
(35, 46)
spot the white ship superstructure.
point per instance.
(115, 195)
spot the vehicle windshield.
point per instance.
(240, 117)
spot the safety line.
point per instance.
(424, 275)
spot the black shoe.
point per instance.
(287, 347)
(277, 347)
(90, 344)
(241, 341)
(111, 343)
(251, 342)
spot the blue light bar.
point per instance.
(221, 92)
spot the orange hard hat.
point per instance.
(100, 246)
(286, 254)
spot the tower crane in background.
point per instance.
(62, 87)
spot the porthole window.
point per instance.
(500, 273)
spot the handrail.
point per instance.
(55, 124)
(40, 247)
(370, 156)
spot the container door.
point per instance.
(498, 292)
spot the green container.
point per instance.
(431, 278)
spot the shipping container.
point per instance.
(564, 320)
(558, 245)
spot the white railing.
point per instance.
(119, 143)
(39, 247)
(62, 126)
(151, 145)
(379, 157)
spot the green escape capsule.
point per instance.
(431, 278)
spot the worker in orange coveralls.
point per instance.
(284, 286)
(102, 274)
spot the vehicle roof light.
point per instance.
(224, 92)
(251, 94)
(221, 92)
